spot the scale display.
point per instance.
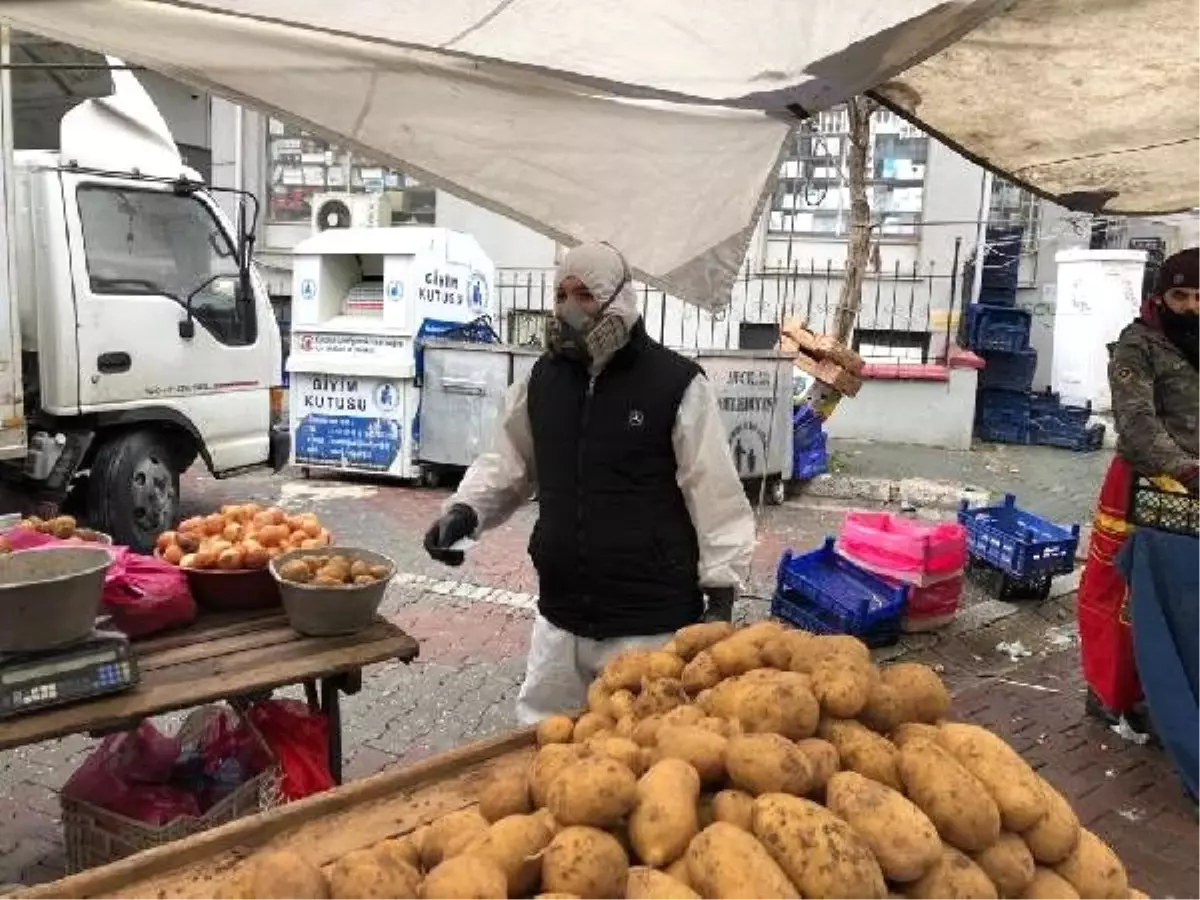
(102, 665)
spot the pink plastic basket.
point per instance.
(896, 547)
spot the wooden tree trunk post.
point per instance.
(858, 250)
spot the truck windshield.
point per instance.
(154, 242)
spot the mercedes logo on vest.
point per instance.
(636, 418)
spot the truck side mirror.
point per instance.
(245, 254)
(187, 327)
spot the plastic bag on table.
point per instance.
(299, 740)
(128, 773)
(145, 595)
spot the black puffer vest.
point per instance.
(614, 546)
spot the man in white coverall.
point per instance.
(643, 525)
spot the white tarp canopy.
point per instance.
(658, 125)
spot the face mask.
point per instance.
(573, 333)
(1182, 329)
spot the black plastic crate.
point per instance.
(1003, 586)
(994, 296)
(1003, 429)
(1048, 431)
(1008, 369)
(1153, 507)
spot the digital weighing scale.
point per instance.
(102, 663)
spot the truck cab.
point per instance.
(146, 338)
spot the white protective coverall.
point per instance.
(560, 664)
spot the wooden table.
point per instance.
(226, 656)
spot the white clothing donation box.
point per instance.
(362, 300)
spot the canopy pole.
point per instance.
(8, 234)
(985, 197)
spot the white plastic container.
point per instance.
(1099, 292)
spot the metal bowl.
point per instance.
(324, 611)
(49, 596)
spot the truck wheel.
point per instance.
(133, 489)
(776, 491)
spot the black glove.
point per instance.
(1190, 479)
(458, 522)
(719, 604)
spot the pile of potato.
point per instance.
(336, 570)
(762, 762)
(65, 528)
(240, 537)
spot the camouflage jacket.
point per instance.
(1155, 398)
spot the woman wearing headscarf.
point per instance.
(1153, 376)
(643, 525)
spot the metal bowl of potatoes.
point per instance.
(330, 591)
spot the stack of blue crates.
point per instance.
(1006, 410)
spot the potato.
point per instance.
(884, 710)
(1056, 833)
(842, 686)
(704, 750)
(465, 878)
(585, 862)
(784, 705)
(1135, 894)
(645, 883)
(553, 896)
(620, 704)
(822, 855)
(598, 697)
(1008, 863)
(679, 870)
(555, 730)
(725, 862)
(734, 807)
(1007, 777)
(767, 763)
(405, 849)
(823, 760)
(954, 875)
(596, 791)
(505, 796)
(295, 570)
(862, 750)
(623, 750)
(683, 715)
(816, 649)
(1093, 869)
(664, 821)
(724, 727)
(700, 673)
(913, 731)
(626, 670)
(1048, 885)
(776, 653)
(589, 724)
(463, 823)
(658, 696)
(692, 639)
(904, 841)
(513, 844)
(961, 809)
(278, 874)
(370, 874)
(923, 696)
(645, 732)
(735, 656)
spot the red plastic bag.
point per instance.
(145, 595)
(128, 773)
(230, 754)
(299, 740)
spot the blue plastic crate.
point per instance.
(1002, 257)
(1003, 429)
(1052, 432)
(1020, 543)
(998, 327)
(821, 592)
(811, 461)
(1048, 404)
(1001, 402)
(993, 296)
(1008, 369)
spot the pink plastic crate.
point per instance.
(933, 606)
(897, 547)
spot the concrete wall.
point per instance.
(509, 244)
(926, 413)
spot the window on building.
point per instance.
(302, 166)
(813, 195)
(1012, 206)
(147, 242)
(880, 345)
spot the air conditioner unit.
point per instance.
(344, 210)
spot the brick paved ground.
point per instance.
(473, 626)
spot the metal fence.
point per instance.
(907, 313)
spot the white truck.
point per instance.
(135, 335)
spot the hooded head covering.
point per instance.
(1180, 270)
(603, 270)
